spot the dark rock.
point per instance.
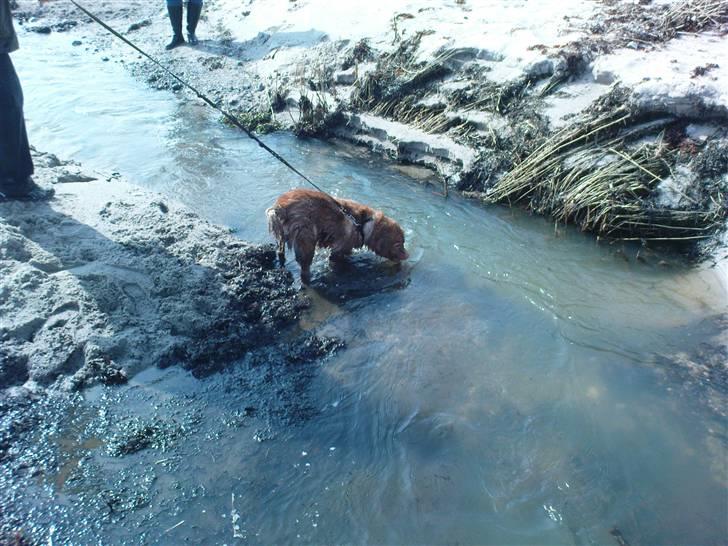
(64, 26)
(68, 178)
(141, 24)
(312, 347)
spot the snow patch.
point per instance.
(664, 79)
(500, 34)
(405, 143)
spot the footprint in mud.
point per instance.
(62, 314)
(17, 247)
(14, 244)
(135, 295)
(27, 331)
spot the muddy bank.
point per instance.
(105, 281)
(446, 87)
(143, 456)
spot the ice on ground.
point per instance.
(408, 144)
(672, 191)
(665, 78)
(505, 33)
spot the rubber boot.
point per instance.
(175, 17)
(24, 190)
(193, 15)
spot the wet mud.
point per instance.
(121, 461)
(99, 289)
(98, 284)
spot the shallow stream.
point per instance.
(513, 383)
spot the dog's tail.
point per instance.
(275, 222)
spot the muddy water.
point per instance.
(511, 384)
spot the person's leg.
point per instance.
(16, 164)
(194, 8)
(174, 8)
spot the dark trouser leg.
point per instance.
(174, 8)
(194, 8)
(15, 161)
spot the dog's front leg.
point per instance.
(282, 252)
(305, 246)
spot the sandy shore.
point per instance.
(105, 280)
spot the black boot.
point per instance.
(175, 17)
(23, 190)
(193, 15)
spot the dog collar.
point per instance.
(360, 228)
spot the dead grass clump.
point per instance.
(361, 52)
(381, 89)
(589, 176)
(501, 98)
(501, 151)
(316, 117)
(397, 75)
(694, 16)
(642, 24)
(258, 121)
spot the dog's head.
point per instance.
(384, 236)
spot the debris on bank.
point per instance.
(610, 129)
(609, 174)
(499, 99)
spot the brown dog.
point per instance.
(306, 219)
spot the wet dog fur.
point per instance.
(304, 220)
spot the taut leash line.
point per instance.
(230, 117)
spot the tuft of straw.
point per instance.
(694, 16)
(586, 175)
